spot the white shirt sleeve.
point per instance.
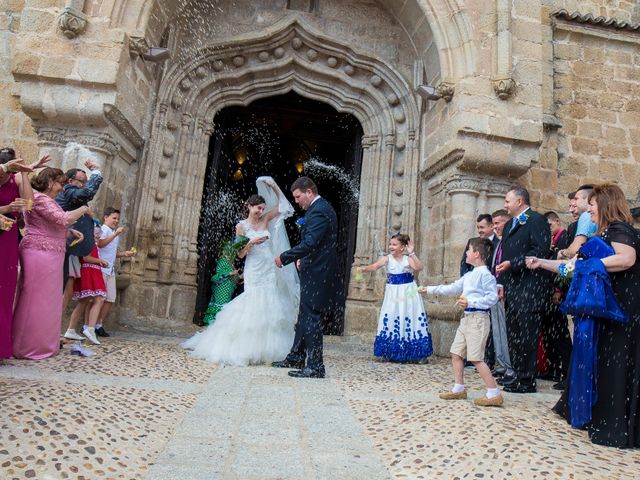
(487, 285)
(454, 288)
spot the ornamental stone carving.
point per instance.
(138, 46)
(504, 87)
(446, 91)
(72, 22)
(279, 52)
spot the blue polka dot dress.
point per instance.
(403, 330)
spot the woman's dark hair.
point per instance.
(252, 201)
(612, 205)
(7, 154)
(402, 238)
(41, 181)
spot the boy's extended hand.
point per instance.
(422, 289)
(462, 301)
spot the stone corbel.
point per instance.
(446, 90)
(138, 46)
(504, 87)
(72, 22)
(503, 83)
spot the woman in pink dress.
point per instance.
(38, 312)
(15, 195)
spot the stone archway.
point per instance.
(289, 56)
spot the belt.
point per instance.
(399, 278)
(469, 310)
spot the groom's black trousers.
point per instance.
(307, 342)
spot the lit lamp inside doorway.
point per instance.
(299, 167)
(241, 155)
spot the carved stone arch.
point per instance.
(289, 56)
(447, 21)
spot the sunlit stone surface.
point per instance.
(142, 408)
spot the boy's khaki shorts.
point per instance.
(471, 336)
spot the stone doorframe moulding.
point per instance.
(289, 56)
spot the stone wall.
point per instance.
(16, 129)
(546, 101)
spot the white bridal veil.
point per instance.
(287, 276)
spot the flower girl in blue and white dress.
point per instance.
(403, 331)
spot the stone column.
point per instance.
(461, 210)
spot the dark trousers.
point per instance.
(557, 341)
(307, 342)
(523, 329)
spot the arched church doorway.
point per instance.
(283, 136)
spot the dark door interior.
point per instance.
(284, 137)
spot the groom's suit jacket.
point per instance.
(526, 290)
(317, 254)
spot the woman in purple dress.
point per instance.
(15, 196)
(38, 312)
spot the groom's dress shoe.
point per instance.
(307, 373)
(288, 364)
(520, 388)
(506, 380)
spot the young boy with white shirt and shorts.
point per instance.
(108, 248)
(478, 293)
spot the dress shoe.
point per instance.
(506, 380)
(101, 332)
(454, 396)
(518, 387)
(561, 385)
(288, 364)
(489, 402)
(497, 373)
(307, 373)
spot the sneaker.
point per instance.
(72, 335)
(101, 332)
(454, 396)
(90, 333)
(489, 402)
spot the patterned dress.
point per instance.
(403, 330)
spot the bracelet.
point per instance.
(412, 254)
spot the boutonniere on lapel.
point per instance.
(300, 222)
(522, 218)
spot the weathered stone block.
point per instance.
(97, 71)
(183, 300)
(26, 64)
(584, 145)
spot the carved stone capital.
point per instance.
(504, 87)
(72, 22)
(446, 90)
(138, 46)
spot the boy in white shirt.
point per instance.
(108, 248)
(478, 293)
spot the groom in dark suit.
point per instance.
(317, 257)
(526, 291)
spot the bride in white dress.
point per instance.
(258, 325)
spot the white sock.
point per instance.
(493, 392)
(457, 388)
(98, 325)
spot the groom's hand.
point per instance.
(278, 262)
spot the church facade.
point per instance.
(541, 93)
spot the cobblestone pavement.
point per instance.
(142, 408)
